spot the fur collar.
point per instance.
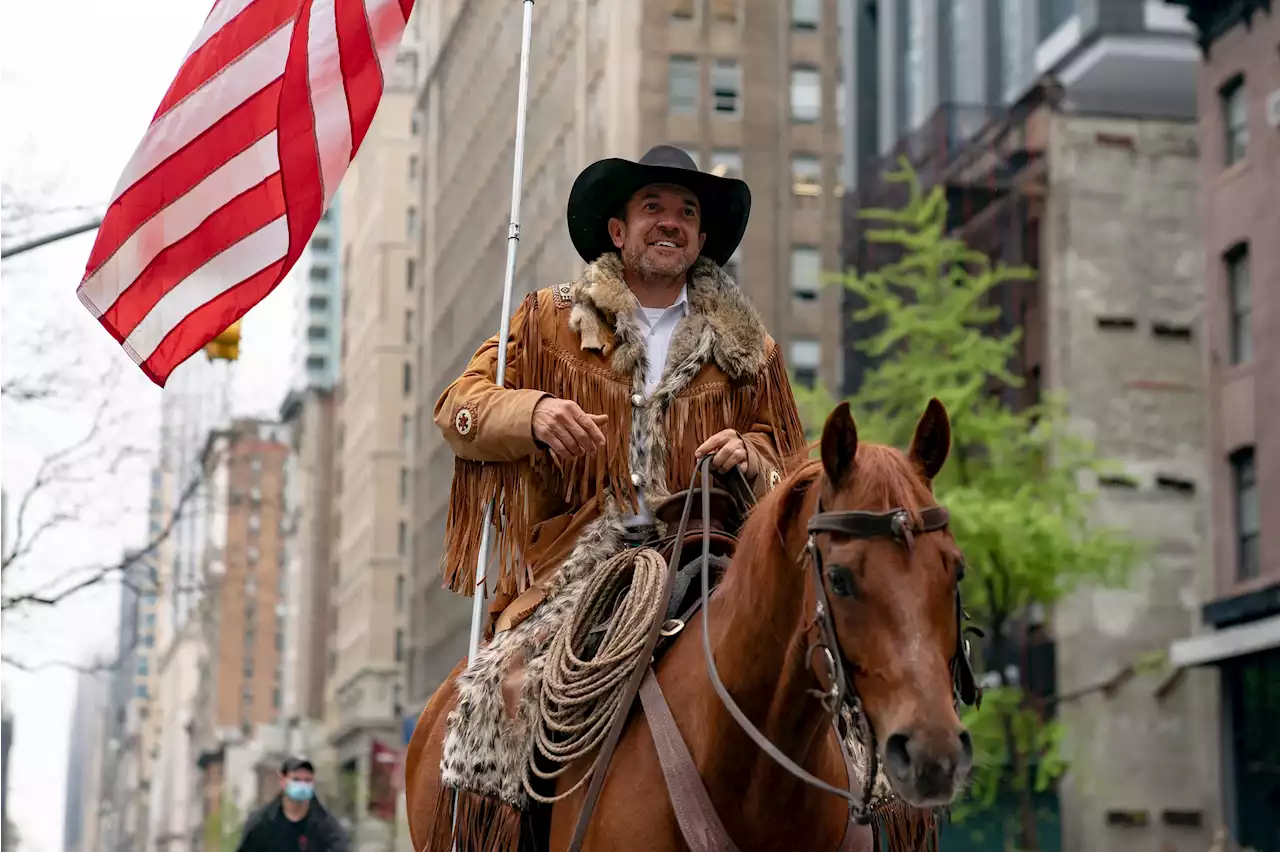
(604, 308)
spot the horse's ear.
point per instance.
(932, 441)
(839, 445)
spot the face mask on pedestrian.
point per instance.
(299, 791)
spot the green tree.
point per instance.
(222, 828)
(1013, 480)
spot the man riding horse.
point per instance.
(616, 384)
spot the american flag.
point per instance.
(242, 157)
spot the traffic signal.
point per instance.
(226, 346)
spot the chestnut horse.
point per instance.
(894, 612)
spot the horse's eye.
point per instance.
(841, 580)
(960, 568)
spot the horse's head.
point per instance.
(891, 586)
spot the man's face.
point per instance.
(662, 235)
(298, 784)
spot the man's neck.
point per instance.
(654, 292)
(294, 811)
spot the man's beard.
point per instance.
(639, 259)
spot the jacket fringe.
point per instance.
(777, 398)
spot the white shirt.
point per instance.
(659, 324)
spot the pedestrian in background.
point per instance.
(294, 821)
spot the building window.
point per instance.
(806, 95)
(806, 272)
(1240, 296)
(400, 593)
(318, 303)
(317, 332)
(410, 271)
(408, 378)
(402, 538)
(399, 645)
(320, 244)
(247, 696)
(725, 11)
(406, 432)
(1247, 521)
(415, 122)
(248, 666)
(319, 273)
(682, 85)
(806, 175)
(726, 86)
(408, 326)
(726, 162)
(806, 355)
(411, 223)
(1235, 120)
(142, 666)
(404, 485)
(413, 167)
(805, 14)
(683, 10)
(141, 691)
(315, 363)
(275, 698)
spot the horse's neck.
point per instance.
(760, 639)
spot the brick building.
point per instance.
(241, 623)
(1239, 134)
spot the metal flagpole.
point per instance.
(504, 326)
(504, 331)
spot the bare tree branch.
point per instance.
(131, 559)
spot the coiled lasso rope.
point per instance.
(580, 697)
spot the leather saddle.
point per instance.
(731, 500)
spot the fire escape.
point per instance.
(991, 164)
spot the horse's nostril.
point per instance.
(966, 745)
(896, 752)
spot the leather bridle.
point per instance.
(897, 525)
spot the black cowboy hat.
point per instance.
(604, 187)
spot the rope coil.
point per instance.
(580, 697)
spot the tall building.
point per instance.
(1239, 633)
(239, 673)
(750, 88)
(196, 403)
(1079, 159)
(318, 335)
(308, 414)
(121, 762)
(923, 77)
(84, 760)
(372, 444)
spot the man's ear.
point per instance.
(702, 241)
(617, 232)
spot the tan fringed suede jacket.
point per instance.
(581, 341)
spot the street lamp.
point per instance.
(50, 238)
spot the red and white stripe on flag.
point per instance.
(244, 154)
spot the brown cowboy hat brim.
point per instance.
(605, 186)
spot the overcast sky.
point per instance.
(81, 80)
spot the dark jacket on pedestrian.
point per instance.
(269, 830)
